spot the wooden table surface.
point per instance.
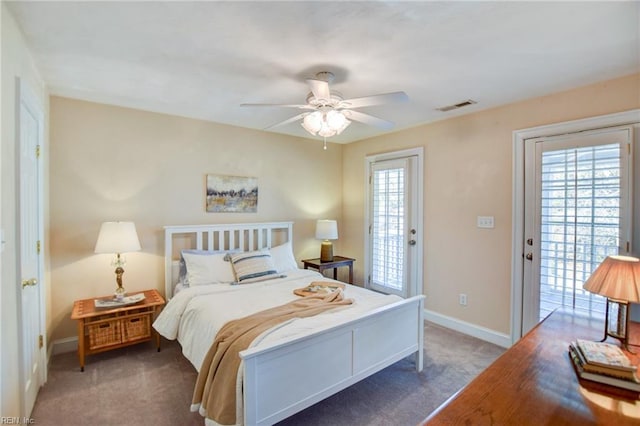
(86, 308)
(534, 383)
(334, 264)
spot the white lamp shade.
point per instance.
(325, 124)
(617, 277)
(327, 229)
(326, 131)
(344, 125)
(312, 123)
(335, 119)
(117, 237)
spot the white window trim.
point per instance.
(517, 218)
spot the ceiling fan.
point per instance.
(327, 113)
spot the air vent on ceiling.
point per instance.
(456, 106)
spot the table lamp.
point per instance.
(118, 238)
(326, 230)
(618, 279)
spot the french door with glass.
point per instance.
(393, 238)
(577, 212)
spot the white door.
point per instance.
(30, 127)
(394, 225)
(577, 212)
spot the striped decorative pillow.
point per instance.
(253, 266)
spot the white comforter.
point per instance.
(194, 315)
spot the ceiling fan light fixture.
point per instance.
(335, 119)
(325, 124)
(326, 113)
(345, 124)
(312, 123)
(326, 131)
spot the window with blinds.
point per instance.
(387, 233)
(580, 223)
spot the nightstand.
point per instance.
(104, 329)
(337, 262)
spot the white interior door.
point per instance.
(394, 236)
(577, 212)
(30, 123)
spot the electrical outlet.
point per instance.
(485, 221)
(463, 299)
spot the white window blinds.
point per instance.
(387, 234)
(580, 223)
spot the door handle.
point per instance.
(30, 282)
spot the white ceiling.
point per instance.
(203, 59)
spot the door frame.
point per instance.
(25, 96)
(416, 269)
(517, 215)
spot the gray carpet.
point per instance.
(139, 386)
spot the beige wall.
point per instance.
(111, 163)
(468, 163)
(16, 62)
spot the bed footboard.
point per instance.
(283, 379)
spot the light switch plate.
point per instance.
(485, 221)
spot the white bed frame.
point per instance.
(284, 378)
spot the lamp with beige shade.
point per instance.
(118, 238)
(618, 279)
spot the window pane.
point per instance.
(580, 224)
(388, 228)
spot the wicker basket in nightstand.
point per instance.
(104, 334)
(136, 328)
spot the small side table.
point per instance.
(104, 329)
(337, 262)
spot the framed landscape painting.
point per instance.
(232, 194)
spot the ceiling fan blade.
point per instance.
(287, 121)
(278, 106)
(368, 119)
(320, 89)
(383, 98)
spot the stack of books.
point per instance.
(604, 363)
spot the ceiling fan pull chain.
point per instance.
(325, 143)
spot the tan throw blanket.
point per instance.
(215, 392)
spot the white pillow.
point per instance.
(283, 258)
(207, 268)
(253, 266)
(182, 275)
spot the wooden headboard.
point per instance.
(236, 236)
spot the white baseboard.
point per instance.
(473, 330)
(68, 344)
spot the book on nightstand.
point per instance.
(586, 371)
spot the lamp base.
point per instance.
(120, 293)
(326, 251)
(621, 329)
